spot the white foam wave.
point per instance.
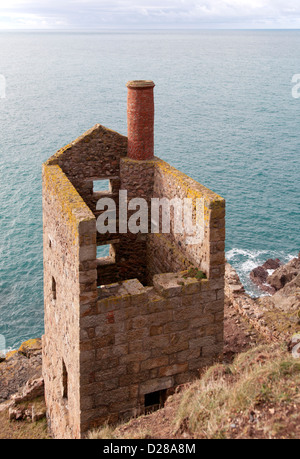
(248, 266)
(244, 252)
(245, 260)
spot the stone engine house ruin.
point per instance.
(122, 330)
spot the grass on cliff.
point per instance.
(257, 396)
(25, 429)
(22, 430)
(261, 386)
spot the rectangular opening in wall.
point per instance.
(155, 400)
(103, 251)
(64, 381)
(107, 268)
(53, 288)
(101, 185)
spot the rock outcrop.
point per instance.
(244, 304)
(272, 264)
(21, 382)
(272, 276)
(19, 366)
(287, 298)
(29, 403)
(276, 316)
(284, 274)
(260, 275)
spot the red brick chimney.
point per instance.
(140, 119)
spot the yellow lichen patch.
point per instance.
(192, 188)
(30, 346)
(213, 203)
(10, 354)
(75, 210)
(145, 163)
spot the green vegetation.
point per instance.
(227, 397)
(196, 273)
(257, 396)
(24, 429)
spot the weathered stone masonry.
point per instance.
(121, 329)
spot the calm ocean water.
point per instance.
(225, 115)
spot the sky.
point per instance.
(149, 14)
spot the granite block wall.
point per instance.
(138, 321)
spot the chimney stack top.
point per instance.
(140, 84)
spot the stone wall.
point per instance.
(68, 245)
(125, 326)
(93, 156)
(145, 339)
(207, 255)
(137, 178)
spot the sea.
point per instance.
(227, 113)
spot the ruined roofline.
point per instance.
(73, 203)
(86, 137)
(192, 187)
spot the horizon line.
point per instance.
(183, 29)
